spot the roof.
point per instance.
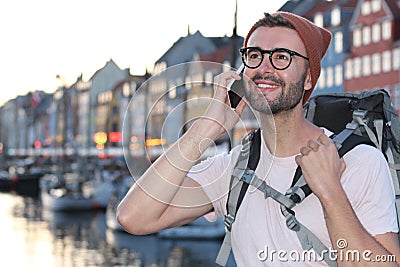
(185, 47)
(111, 62)
(321, 7)
(218, 55)
(289, 6)
(220, 41)
(299, 7)
(223, 53)
(394, 7)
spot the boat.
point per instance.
(62, 219)
(25, 177)
(70, 193)
(121, 187)
(198, 229)
(5, 181)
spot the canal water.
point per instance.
(31, 236)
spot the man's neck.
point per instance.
(285, 133)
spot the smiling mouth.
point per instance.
(266, 86)
(267, 83)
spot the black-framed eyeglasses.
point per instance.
(280, 58)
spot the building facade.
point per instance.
(66, 121)
(335, 16)
(182, 86)
(365, 50)
(374, 60)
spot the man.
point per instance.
(352, 200)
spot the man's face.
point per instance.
(277, 90)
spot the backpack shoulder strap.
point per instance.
(247, 162)
(299, 189)
(252, 163)
(352, 141)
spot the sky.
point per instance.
(43, 39)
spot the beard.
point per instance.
(289, 97)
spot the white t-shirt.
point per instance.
(260, 236)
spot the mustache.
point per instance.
(271, 78)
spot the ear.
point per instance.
(307, 82)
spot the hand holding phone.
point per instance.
(235, 89)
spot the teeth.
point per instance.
(263, 85)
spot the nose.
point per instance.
(266, 65)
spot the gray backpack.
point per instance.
(365, 118)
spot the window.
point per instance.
(366, 35)
(321, 80)
(348, 69)
(188, 82)
(357, 37)
(338, 75)
(114, 127)
(376, 32)
(375, 5)
(376, 63)
(329, 77)
(126, 90)
(396, 101)
(160, 67)
(386, 61)
(209, 77)
(396, 59)
(366, 65)
(338, 42)
(335, 16)
(226, 66)
(171, 90)
(319, 20)
(357, 67)
(386, 30)
(366, 8)
(104, 97)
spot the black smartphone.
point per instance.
(235, 89)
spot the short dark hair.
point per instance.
(269, 21)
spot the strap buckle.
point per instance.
(248, 137)
(247, 176)
(352, 125)
(358, 115)
(228, 221)
(292, 223)
(296, 194)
